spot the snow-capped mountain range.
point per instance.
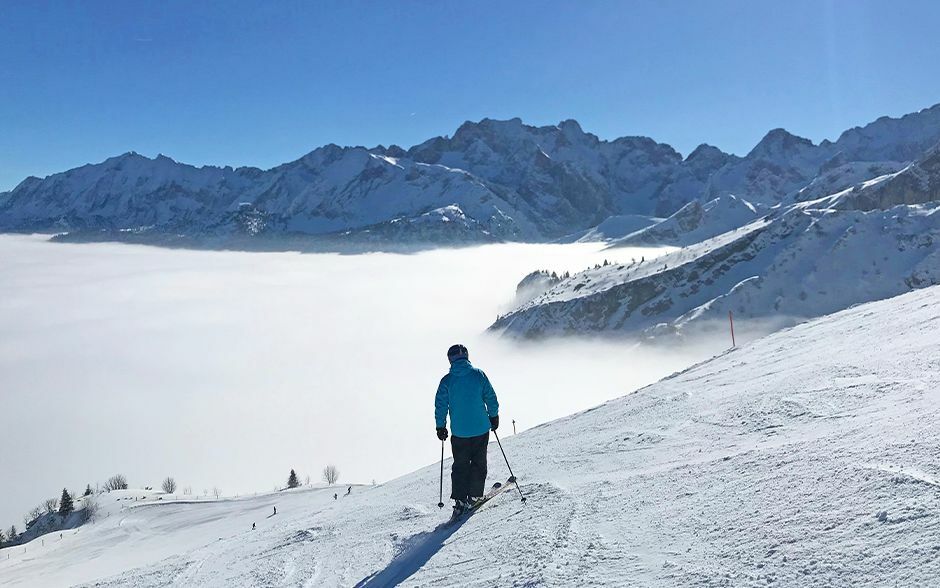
(492, 180)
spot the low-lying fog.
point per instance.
(227, 369)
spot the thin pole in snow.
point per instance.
(512, 476)
(440, 500)
(731, 320)
(513, 426)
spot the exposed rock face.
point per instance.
(918, 183)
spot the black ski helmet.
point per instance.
(457, 352)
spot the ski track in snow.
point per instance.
(809, 457)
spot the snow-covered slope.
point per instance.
(842, 176)
(804, 262)
(508, 180)
(807, 458)
(613, 227)
(141, 527)
(693, 223)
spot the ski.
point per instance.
(495, 490)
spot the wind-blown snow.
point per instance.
(807, 458)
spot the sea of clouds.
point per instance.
(227, 369)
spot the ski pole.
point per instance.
(512, 477)
(440, 501)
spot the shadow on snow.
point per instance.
(414, 552)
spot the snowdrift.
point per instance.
(805, 458)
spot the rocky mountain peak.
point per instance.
(779, 143)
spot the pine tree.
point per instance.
(292, 481)
(65, 504)
(88, 490)
(11, 535)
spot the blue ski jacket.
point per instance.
(467, 394)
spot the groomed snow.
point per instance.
(808, 458)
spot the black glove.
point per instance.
(494, 422)
(441, 433)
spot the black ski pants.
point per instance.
(468, 475)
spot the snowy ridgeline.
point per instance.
(693, 223)
(493, 180)
(825, 248)
(807, 458)
(794, 263)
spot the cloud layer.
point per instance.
(228, 369)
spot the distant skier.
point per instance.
(252, 526)
(466, 393)
(335, 496)
(275, 511)
(349, 491)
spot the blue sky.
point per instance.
(252, 83)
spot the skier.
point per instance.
(335, 496)
(275, 511)
(252, 526)
(349, 491)
(466, 393)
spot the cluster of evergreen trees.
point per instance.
(53, 514)
(62, 507)
(555, 276)
(605, 264)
